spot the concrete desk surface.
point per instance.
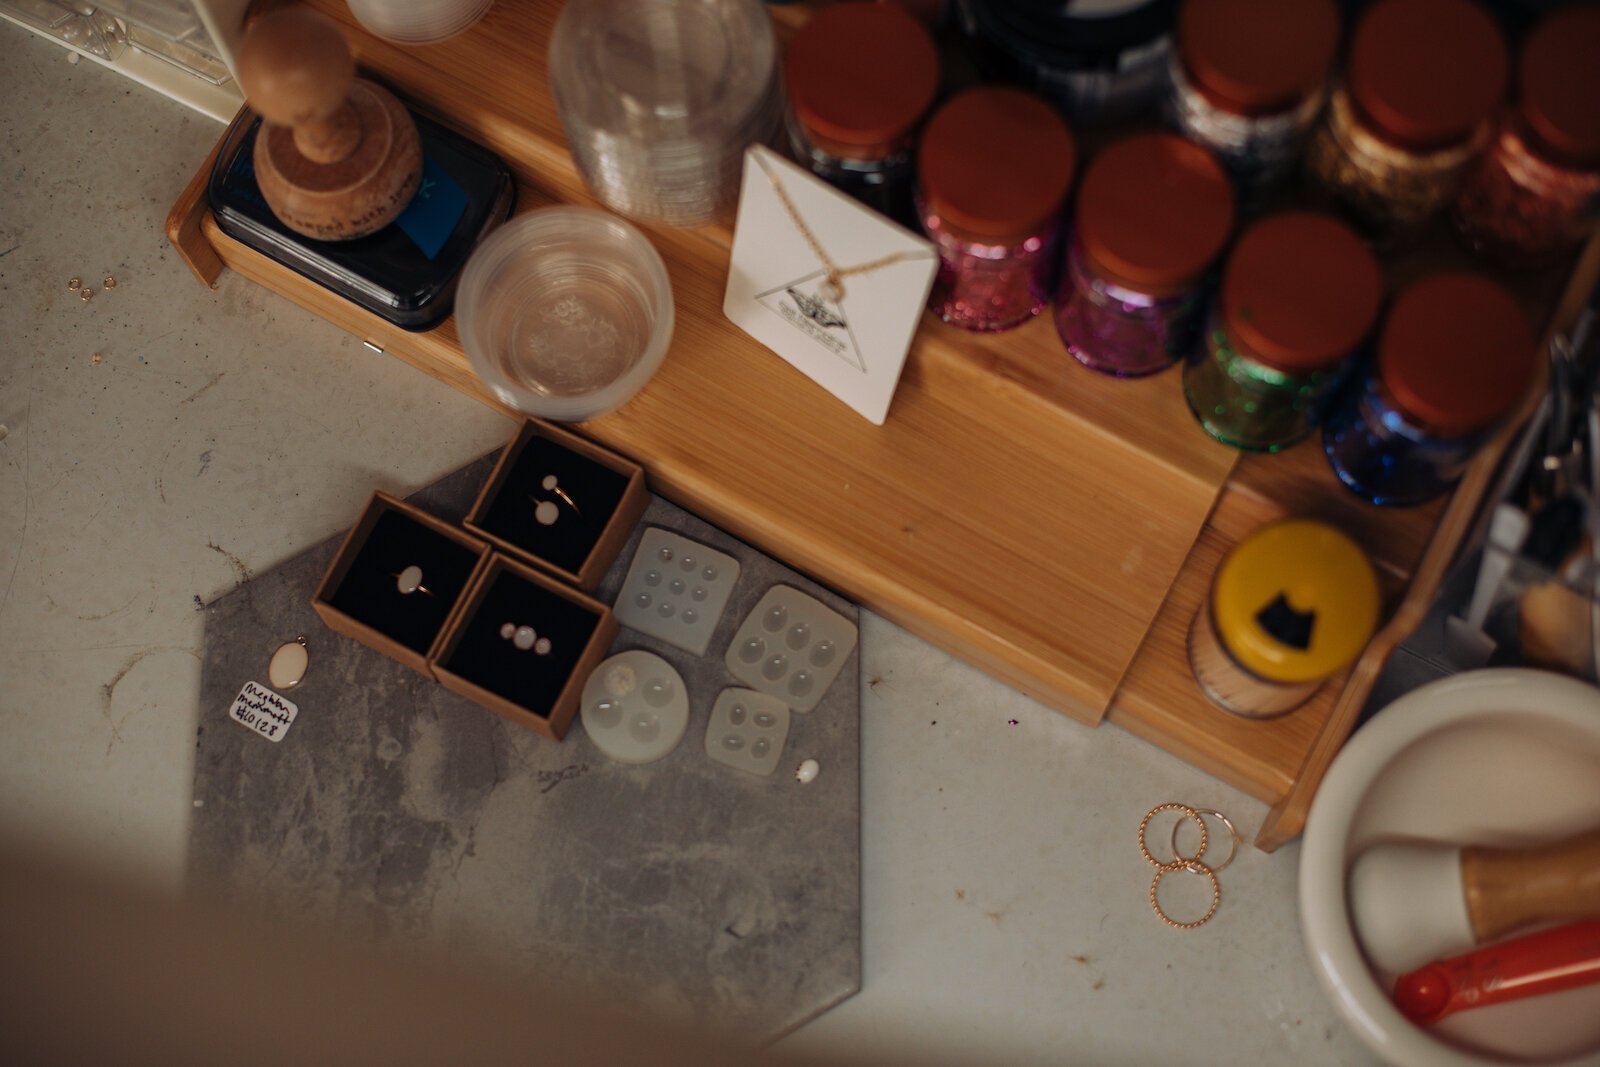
(164, 442)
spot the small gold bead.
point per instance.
(74, 284)
(110, 282)
(86, 295)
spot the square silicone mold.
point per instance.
(791, 646)
(747, 730)
(676, 589)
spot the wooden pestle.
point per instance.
(1509, 888)
(337, 156)
(1411, 904)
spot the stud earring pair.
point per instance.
(524, 638)
(546, 512)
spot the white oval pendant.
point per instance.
(288, 665)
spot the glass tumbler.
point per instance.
(565, 312)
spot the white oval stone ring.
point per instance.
(409, 581)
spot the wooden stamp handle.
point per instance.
(296, 70)
(1509, 888)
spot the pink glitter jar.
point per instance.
(993, 172)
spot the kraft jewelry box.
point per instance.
(560, 502)
(522, 645)
(397, 580)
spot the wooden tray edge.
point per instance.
(1288, 816)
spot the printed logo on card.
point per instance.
(802, 304)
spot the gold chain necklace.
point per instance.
(833, 274)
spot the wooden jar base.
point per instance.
(1231, 687)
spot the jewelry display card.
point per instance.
(825, 282)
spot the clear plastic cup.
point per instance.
(660, 98)
(565, 312)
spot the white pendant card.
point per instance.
(852, 345)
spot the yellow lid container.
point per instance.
(1295, 602)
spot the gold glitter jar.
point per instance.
(1421, 85)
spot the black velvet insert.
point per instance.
(368, 592)
(525, 678)
(595, 488)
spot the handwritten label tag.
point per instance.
(855, 346)
(263, 711)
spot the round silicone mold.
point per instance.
(635, 707)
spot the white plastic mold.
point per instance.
(747, 730)
(635, 707)
(676, 589)
(791, 646)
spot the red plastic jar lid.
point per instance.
(860, 75)
(996, 163)
(1153, 212)
(1426, 73)
(1456, 353)
(1300, 291)
(1257, 57)
(1560, 73)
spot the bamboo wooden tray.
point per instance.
(1055, 527)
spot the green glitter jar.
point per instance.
(1299, 292)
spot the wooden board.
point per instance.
(1052, 526)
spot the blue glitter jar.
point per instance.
(1454, 358)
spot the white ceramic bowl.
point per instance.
(1496, 757)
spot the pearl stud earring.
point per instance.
(524, 638)
(546, 512)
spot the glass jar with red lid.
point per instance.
(1455, 356)
(1099, 61)
(860, 78)
(1299, 292)
(1536, 193)
(1421, 84)
(1153, 213)
(1248, 80)
(993, 172)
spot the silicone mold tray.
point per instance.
(676, 589)
(635, 707)
(791, 646)
(747, 730)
